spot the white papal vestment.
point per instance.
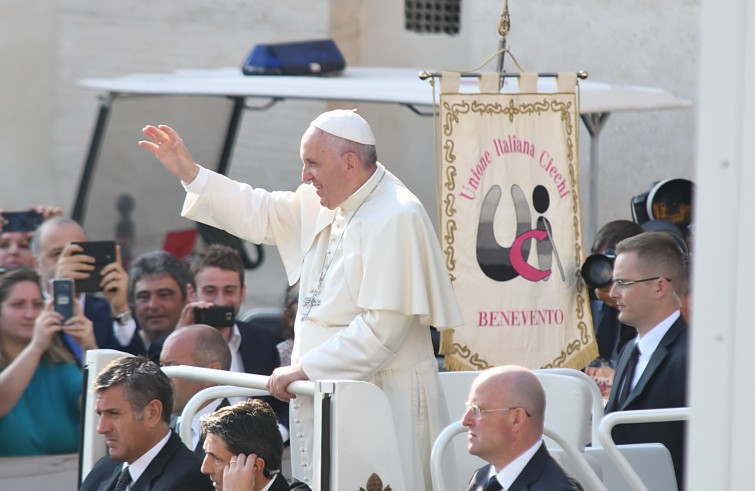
(385, 281)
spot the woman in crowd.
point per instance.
(40, 381)
(15, 246)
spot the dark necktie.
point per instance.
(626, 386)
(492, 485)
(124, 479)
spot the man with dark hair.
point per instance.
(158, 292)
(219, 278)
(243, 448)
(218, 274)
(196, 346)
(134, 401)
(651, 372)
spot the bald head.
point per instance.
(516, 386)
(506, 415)
(204, 347)
(49, 241)
(197, 346)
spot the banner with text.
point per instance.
(511, 227)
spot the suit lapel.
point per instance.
(660, 353)
(621, 368)
(479, 479)
(155, 468)
(531, 471)
(279, 484)
(109, 483)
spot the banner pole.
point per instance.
(504, 26)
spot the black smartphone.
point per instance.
(103, 252)
(63, 295)
(21, 221)
(214, 316)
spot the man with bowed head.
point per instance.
(243, 448)
(133, 399)
(505, 416)
(372, 275)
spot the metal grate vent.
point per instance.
(433, 16)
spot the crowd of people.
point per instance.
(356, 319)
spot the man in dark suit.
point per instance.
(196, 346)
(114, 327)
(651, 372)
(134, 402)
(243, 448)
(218, 273)
(158, 290)
(505, 416)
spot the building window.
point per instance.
(433, 16)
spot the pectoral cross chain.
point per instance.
(309, 302)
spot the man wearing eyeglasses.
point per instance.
(651, 371)
(505, 416)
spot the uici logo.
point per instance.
(502, 263)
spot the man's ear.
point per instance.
(259, 465)
(520, 420)
(153, 413)
(352, 162)
(191, 293)
(665, 288)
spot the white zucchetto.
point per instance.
(346, 124)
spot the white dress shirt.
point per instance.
(649, 342)
(508, 474)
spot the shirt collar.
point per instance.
(363, 192)
(137, 468)
(270, 483)
(651, 339)
(235, 340)
(508, 474)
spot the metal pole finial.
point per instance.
(504, 25)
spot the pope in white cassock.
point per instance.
(372, 275)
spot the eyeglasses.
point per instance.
(477, 412)
(627, 283)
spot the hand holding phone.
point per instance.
(114, 283)
(80, 328)
(89, 274)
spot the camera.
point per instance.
(21, 221)
(597, 269)
(215, 316)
